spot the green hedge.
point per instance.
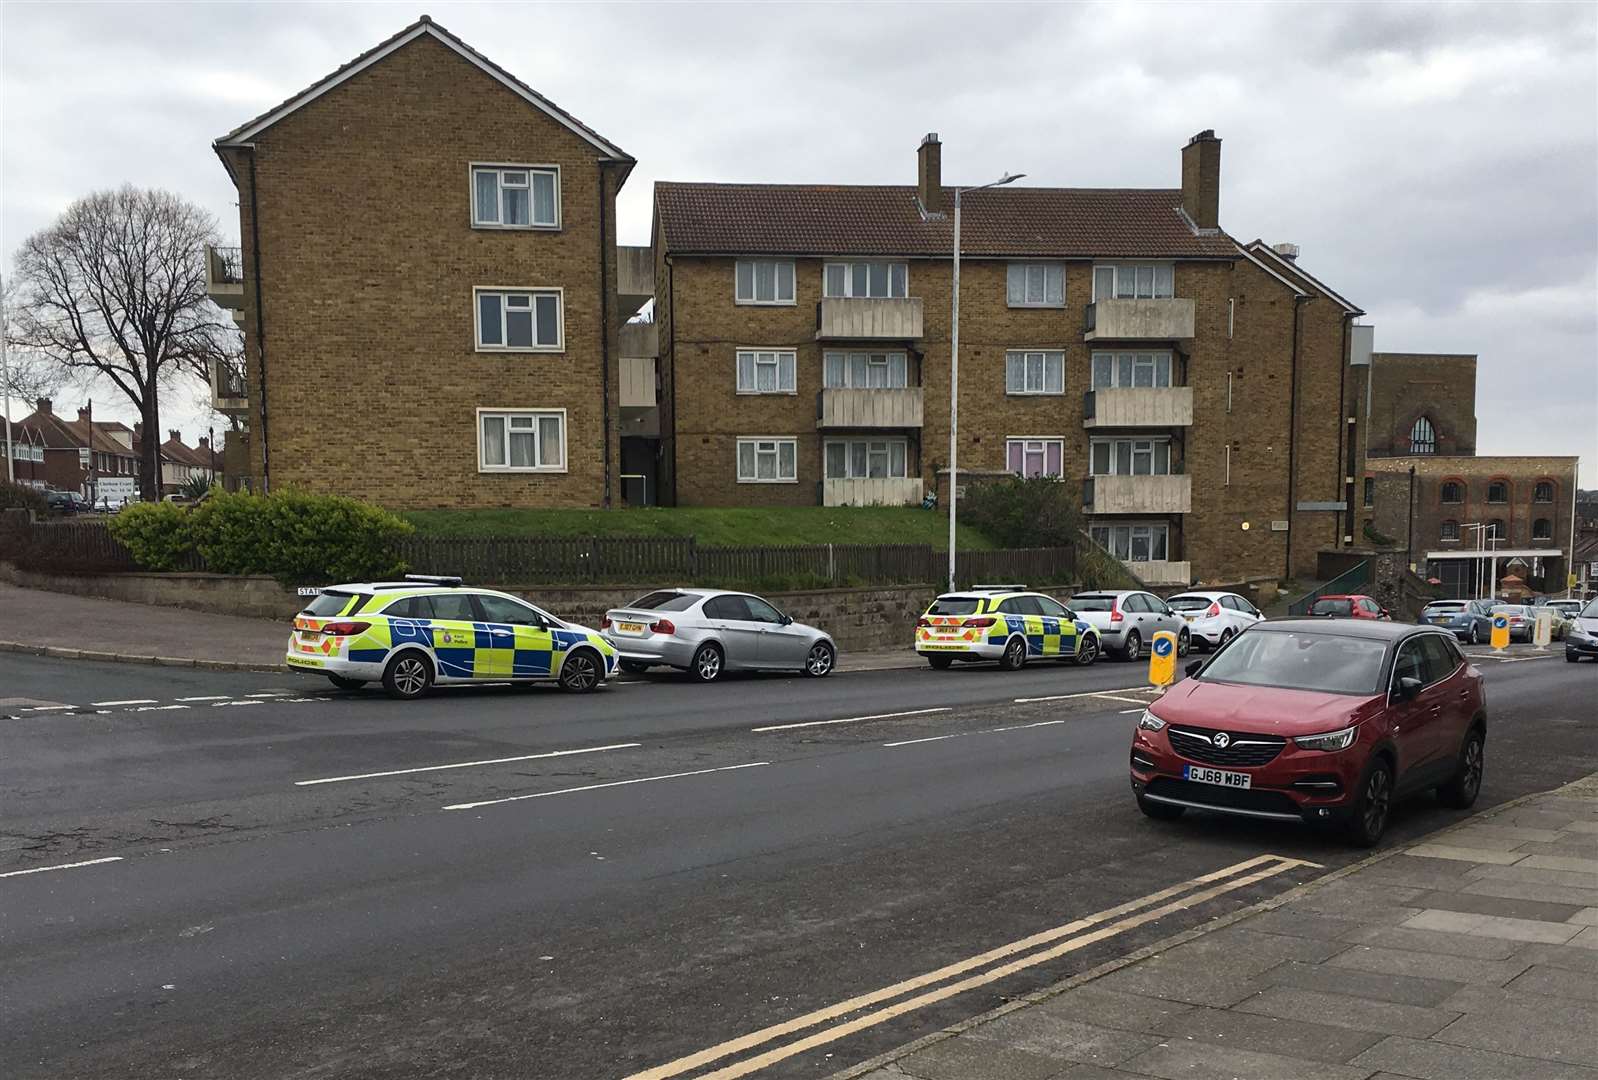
(20, 496)
(294, 537)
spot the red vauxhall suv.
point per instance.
(1326, 721)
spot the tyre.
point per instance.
(1475, 634)
(1226, 635)
(1570, 657)
(408, 675)
(707, 663)
(819, 661)
(1088, 651)
(1159, 811)
(1367, 819)
(633, 667)
(582, 672)
(1462, 788)
(1133, 647)
(1014, 657)
(1184, 643)
(344, 682)
(940, 663)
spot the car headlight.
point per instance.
(1149, 722)
(1331, 740)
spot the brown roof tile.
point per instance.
(825, 219)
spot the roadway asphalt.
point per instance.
(277, 910)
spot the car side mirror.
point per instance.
(787, 620)
(1407, 688)
(1194, 668)
(1386, 614)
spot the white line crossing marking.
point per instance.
(225, 704)
(63, 866)
(205, 697)
(129, 701)
(469, 764)
(852, 719)
(613, 783)
(270, 693)
(1086, 693)
(47, 708)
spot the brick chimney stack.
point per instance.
(929, 174)
(44, 405)
(176, 435)
(1201, 179)
(84, 415)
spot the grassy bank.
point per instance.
(732, 526)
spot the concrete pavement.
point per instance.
(1471, 954)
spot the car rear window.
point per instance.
(1189, 603)
(665, 601)
(1332, 607)
(1092, 603)
(955, 605)
(329, 603)
(1446, 605)
(1299, 660)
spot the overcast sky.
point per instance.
(1438, 164)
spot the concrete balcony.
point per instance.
(1143, 407)
(847, 318)
(893, 491)
(898, 407)
(635, 278)
(639, 339)
(229, 394)
(1138, 320)
(1138, 495)
(224, 276)
(1162, 572)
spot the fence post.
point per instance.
(832, 569)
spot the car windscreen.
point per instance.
(665, 601)
(1591, 610)
(1299, 660)
(1091, 603)
(328, 603)
(1332, 607)
(955, 605)
(1189, 603)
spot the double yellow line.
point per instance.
(847, 1017)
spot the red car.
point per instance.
(1348, 606)
(1324, 721)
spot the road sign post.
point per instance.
(1162, 659)
(1542, 631)
(1500, 638)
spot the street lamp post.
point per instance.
(954, 359)
(5, 390)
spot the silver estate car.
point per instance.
(706, 632)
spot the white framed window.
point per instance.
(877, 280)
(866, 459)
(516, 196)
(521, 440)
(1035, 457)
(1035, 285)
(1131, 369)
(766, 371)
(518, 320)
(1131, 457)
(1134, 543)
(864, 370)
(1034, 372)
(1134, 281)
(768, 460)
(764, 281)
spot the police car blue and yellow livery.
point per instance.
(1004, 623)
(414, 633)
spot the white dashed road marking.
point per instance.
(984, 731)
(469, 764)
(596, 787)
(1089, 693)
(129, 701)
(851, 719)
(62, 866)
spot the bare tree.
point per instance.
(27, 375)
(116, 289)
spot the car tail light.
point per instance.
(979, 623)
(344, 629)
(1115, 611)
(923, 622)
(1213, 610)
(663, 626)
(604, 622)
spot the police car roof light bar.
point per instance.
(998, 588)
(432, 579)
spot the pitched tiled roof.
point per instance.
(826, 219)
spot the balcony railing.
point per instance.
(229, 390)
(1140, 406)
(886, 491)
(1172, 494)
(1138, 320)
(224, 276)
(1161, 571)
(887, 407)
(858, 319)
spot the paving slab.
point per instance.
(1561, 956)
(1507, 832)
(1340, 1010)
(1268, 1034)
(1587, 939)
(1063, 1040)
(1518, 890)
(1552, 933)
(1373, 985)
(1578, 878)
(1193, 1060)
(977, 1059)
(1487, 904)
(1436, 941)
(1556, 982)
(1200, 987)
(1427, 1060)
(1529, 1025)
(1465, 854)
(1385, 960)
(1095, 1003)
(1585, 827)
(1561, 862)
(1585, 847)
(1294, 923)
(1587, 916)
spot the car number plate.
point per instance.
(1191, 618)
(630, 627)
(1200, 775)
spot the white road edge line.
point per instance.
(63, 866)
(596, 787)
(853, 719)
(1086, 693)
(467, 764)
(129, 701)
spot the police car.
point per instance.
(1006, 623)
(414, 633)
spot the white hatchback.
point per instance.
(1214, 618)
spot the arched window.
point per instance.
(1423, 437)
(1453, 491)
(1496, 530)
(1542, 529)
(1498, 491)
(1543, 492)
(1449, 531)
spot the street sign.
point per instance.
(1162, 659)
(1542, 631)
(116, 491)
(1500, 637)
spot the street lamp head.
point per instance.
(1009, 178)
